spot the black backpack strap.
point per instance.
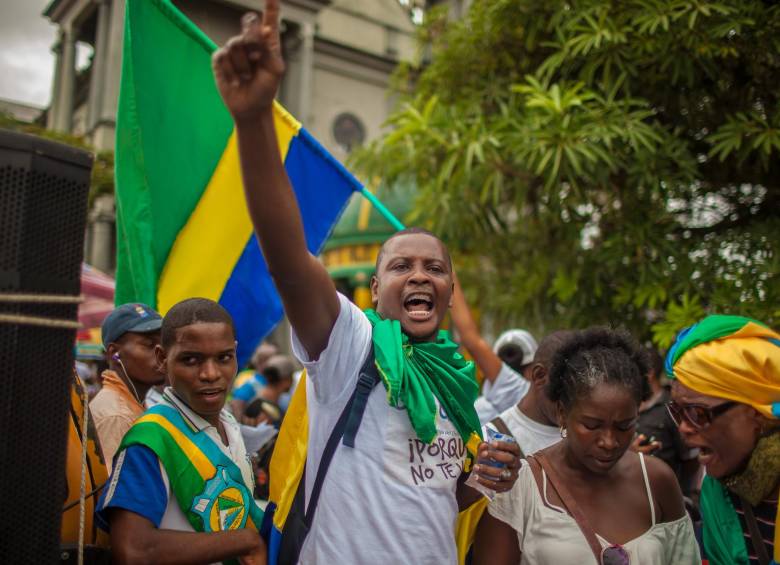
(300, 516)
(348, 422)
(368, 379)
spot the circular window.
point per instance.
(348, 131)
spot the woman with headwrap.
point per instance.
(726, 403)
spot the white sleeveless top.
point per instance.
(547, 534)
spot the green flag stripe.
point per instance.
(184, 477)
(172, 128)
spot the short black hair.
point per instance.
(192, 311)
(549, 346)
(655, 363)
(412, 231)
(594, 356)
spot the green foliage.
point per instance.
(598, 161)
(102, 181)
(678, 315)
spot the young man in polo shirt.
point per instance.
(130, 335)
(394, 496)
(181, 489)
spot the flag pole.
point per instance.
(376, 203)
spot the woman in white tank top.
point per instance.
(631, 507)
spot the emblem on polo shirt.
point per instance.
(223, 503)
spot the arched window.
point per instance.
(348, 131)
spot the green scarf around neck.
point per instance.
(414, 373)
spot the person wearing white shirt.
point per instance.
(505, 366)
(394, 495)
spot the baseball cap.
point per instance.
(133, 317)
(520, 339)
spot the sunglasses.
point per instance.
(614, 555)
(697, 415)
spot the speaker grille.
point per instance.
(43, 190)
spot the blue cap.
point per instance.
(133, 317)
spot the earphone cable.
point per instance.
(129, 381)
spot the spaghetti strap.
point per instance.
(647, 486)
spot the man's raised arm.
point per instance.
(248, 70)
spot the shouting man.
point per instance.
(394, 496)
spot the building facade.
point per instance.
(339, 54)
(20, 110)
(351, 251)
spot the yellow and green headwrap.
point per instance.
(730, 357)
(738, 359)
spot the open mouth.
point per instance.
(705, 455)
(419, 306)
(211, 394)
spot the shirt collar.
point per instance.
(196, 422)
(112, 381)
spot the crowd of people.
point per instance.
(605, 452)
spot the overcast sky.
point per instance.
(26, 60)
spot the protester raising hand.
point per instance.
(426, 392)
(249, 68)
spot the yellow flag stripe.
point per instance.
(211, 242)
(201, 463)
(289, 456)
(466, 527)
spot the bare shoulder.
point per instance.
(666, 490)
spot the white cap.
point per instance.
(519, 338)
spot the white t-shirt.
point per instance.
(505, 391)
(531, 436)
(391, 498)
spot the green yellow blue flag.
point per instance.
(183, 229)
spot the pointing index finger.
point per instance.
(271, 14)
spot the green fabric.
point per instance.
(188, 485)
(186, 482)
(169, 110)
(710, 328)
(415, 373)
(724, 543)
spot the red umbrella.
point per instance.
(98, 290)
(96, 283)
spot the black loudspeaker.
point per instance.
(43, 207)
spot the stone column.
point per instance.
(67, 81)
(102, 218)
(51, 116)
(103, 135)
(98, 78)
(306, 70)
